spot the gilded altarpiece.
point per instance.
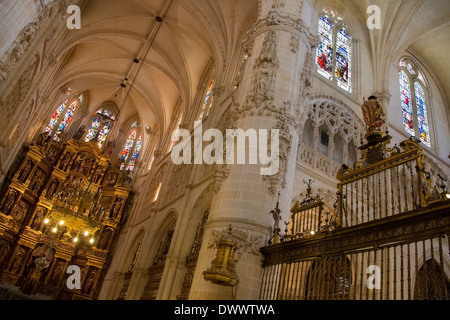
(61, 205)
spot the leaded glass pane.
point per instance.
(135, 156)
(92, 132)
(405, 92)
(343, 59)
(422, 116)
(104, 134)
(55, 118)
(325, 48)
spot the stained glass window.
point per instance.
(104, 134)
(207, 103)
(135, 156)
(92, 132)
(422, 114)
(67, 117)
(55, 118)
(333, 57)
(410, 69)
(405, 92)
(127, 149)
(325, 48)
(103, 120)
(413, 99)
(343, 48)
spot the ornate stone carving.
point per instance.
(20, 90)
(24, 40)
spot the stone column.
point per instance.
(271, 95)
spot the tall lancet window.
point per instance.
(334, 50)
(132, 149)
(101, 125)
(62, 117)
(208, 101)
(414, 101)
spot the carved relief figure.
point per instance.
(52, 154)
(4, 249)
(263, 80)
(23, 175)
(105, 238)
(18, 261)
(77, 163)
(65, 162)
(38, 218)
(37, 181)
(9, 201)
(52, 189)
(20, 211)
(56, 274)
(97, 174)
(110, 180)
(116, 208)
(88, 286)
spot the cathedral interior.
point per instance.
(94, 95)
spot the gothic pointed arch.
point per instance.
(131, 263)
(331, 136)
(431, 282)
(334, 51)
(132, 147)
(415, 101)
(163, 242)
(329, 278)
(62, 117)
(199, 214)
(101, 123)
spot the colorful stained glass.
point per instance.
(135, 156)
(92, 132)
(325, 48)
(422, 116)
(109, 114)
(128, 145)
(67, 117)
(206, 105)
(55, 117)
(104, 134)
(410, 69)
(407, 110)
(343, 58)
